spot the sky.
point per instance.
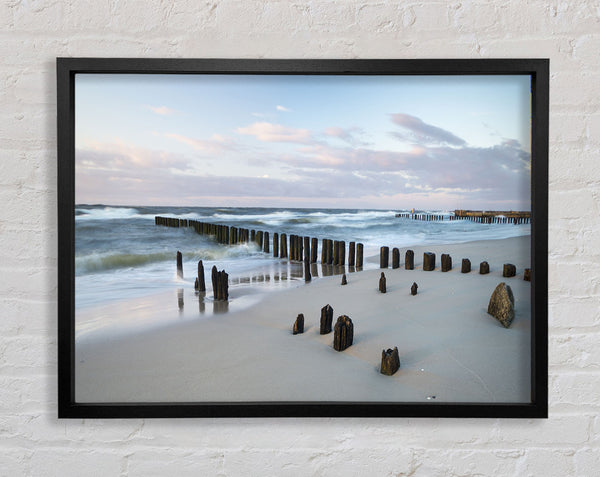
(383, 142)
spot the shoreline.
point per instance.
(449, 347)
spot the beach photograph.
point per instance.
(302, 238)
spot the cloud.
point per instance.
(268, 132)
(283, 108)
(215, 144)
(418, 130)
(162, 110)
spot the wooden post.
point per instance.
(300, 248)
(395, 258)
(409, 260)
(413, 288)
(342, 253)
(509, 270)
(336, 252)
(446, 262)
(214, 273)
(179, 264)
(298, 325)
(343, 333)
(428, 261)
(284, 252)
(384, 257)
(307, 275)
(527, 274)
(351, 254)
(484, 268)
(266, 242)
(307, 249)
(359, 255)
(390, 361)
(323, 251)
(326, 320)
(313, 250)
(201, 283)
(275, 244)
(382, 284)
(466, 266)
(329, 252)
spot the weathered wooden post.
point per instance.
(336, 252)
(382, 284)
(201, 283)
(527, 274)
(390, 361)
(284, 252)
(266, 242)
(253, 236)
(395, 258)
(213, 275)
(409, 260)
(299, 325)
(179, 264)
(342, 253)
(446, 262)
(428, 261)
(351, 254)
(413, 288)
(323, 251)
(275, 244)
(509, 270)
(344, 280)
(484, 268)
(326, 320)
(359, 255)
(329, 252)
(384, 257)
(343, 333)
(300, 248)
(314, 245)
(466, 266)
(307, 249)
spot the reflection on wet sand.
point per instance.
(180, 299)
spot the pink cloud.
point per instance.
(162, 110)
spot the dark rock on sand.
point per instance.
(390, 361)
(502, 305)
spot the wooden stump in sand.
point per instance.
(384, 257)
(313, 249)
(395, 258)
(275, 244)
(299, 325)
(409, 260)
(509, 270)
(326, 320)
(446, 262)
(466, 266)
(484, 268)
(413, 288)
(428, 261)
(351, 254)
(343, 333)
(344, 280)
(382, 284)
(359, 255)
(390, 361)
(527, 274)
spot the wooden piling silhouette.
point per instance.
(446, 262)
(466, 265)
(395, 258)
(201, 283)
(275, 244)
(179, 264)
(351, 254)
(326, 320)
(409, 260)
(384, 257)
(313, 249)
(343, 333)
(484, 268)
(428, 261)
(359, 255)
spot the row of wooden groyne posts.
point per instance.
(479, 216)
(305, 249)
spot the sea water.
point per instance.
(121, 254)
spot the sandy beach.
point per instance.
(450, 349)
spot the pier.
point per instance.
(479, 216)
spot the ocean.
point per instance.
(121, 254)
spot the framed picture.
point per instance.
(302, 237)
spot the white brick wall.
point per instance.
(34, 442)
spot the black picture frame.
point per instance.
(68, 68)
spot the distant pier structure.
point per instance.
(480, 216)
